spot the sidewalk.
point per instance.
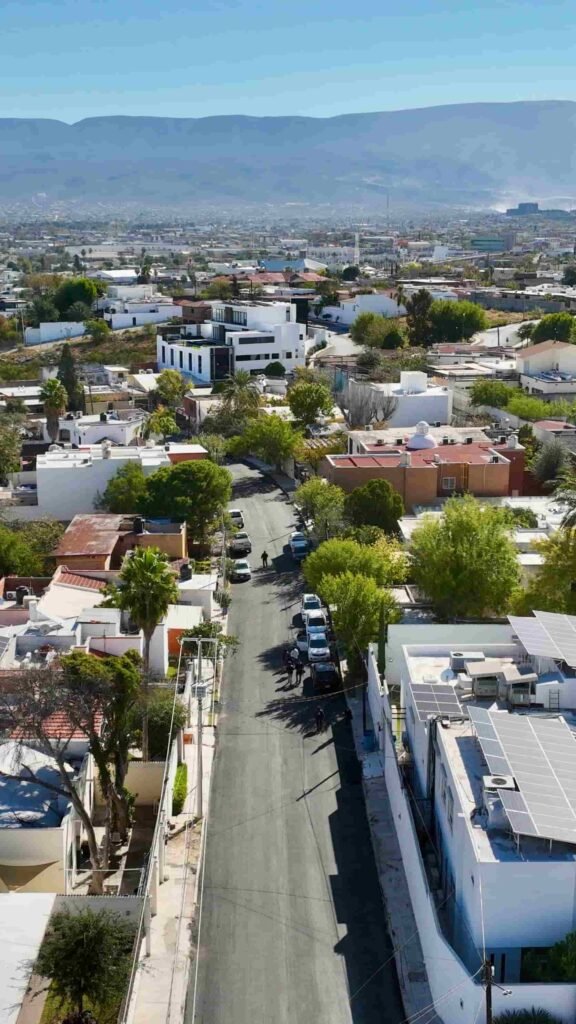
(161, 985)
(400, 918)
(283, 481)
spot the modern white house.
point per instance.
(347, 310)
(240, 336)
(414, 399)
(121, 427)
(68, 481)
(474, 734)
(548, 369)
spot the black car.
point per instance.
(325, 676)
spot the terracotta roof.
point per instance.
(543, 346)
(556, 425)
(90, 535)
(457, 454)
(74, 579)
(58, 726)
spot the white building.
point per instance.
(137, 314)
(123, 427)
(347, 310)
(53, 331)
(548, 369)
(240, 336)
(414, 400)
(68, 482)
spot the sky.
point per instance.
(71, 59)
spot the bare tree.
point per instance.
(364, 404)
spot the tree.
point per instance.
(171, 388)
(69, 378)
(312, 453)
(77, 313)
(375, 331)
(418, 319)
(17, 556)
(451, 322)
(221, 289)
(240, 394)
(466, 562)
(98, 330)
(521, 518)
(77, 290)
(126, 492)
(195, 491)
(385, 563)
(41, 311)
(527, 407)
(536, 1015)
(275, 369)
(307, 401)
(147, 587)
(556, 964)
(550, 462)
(161, 423)
(227, 643)
(491, 392)
(357, 602)
(214, 444)
(369, 360)
(374, 504)
(323, 503)
(86, 954)
(270, 438)
(551, 587)
(351, 273)
(165, 718)
(524, 331)
(569, 275)
(553, 327)
(10, 448)
(54, 398)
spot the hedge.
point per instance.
(180, 788)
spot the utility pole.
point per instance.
(487, 976)
(199, 757)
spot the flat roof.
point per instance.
(431, 458)
(95, 534)
(24, 918)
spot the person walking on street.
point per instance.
(295, 655)
(299, 672)
(264, 557)
(319, 719)
(290, 669)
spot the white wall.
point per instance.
(348, 310)
(288, 346)
(119, 321)
(189, 360)
(159, 651)
(120, 432)
(433, 405)
(472, 636)
(198, 591)
(52, 332)
(65, 491)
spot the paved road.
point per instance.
(292, 924)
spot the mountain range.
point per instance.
(464, 154)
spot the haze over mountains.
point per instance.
(461, 154)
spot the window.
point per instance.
(288, 313)
(171, 357)
(257, 340)
(448, 483)
(163, 353)
(181, 359)
(190, 362)
(287, 355)
(275, 355)
(450, 807)
(443, 783)
(199, 364)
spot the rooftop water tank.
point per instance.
(422, 438)
(413, 380)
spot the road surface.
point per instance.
(292, 926)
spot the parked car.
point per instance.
(298, 545)
(318, 647)
(302, 641)
(325, 676)
(316, 622)
(237, 517)
(241, 570)
(310, 603)
(240, 544)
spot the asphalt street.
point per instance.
(292, 926)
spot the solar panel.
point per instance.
(541, 755)
(548, 634)
(431, 699)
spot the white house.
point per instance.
(137, 314)
(54, 331)
(121, 427)
(69, 481)
(240, 336)
(347, 310)
(548, 369)
(415, 399)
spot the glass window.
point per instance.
(190, 361)
(171, 357)
(181, 359)
(448, 483)
(163, 353)
(199, 364)
(287, 355)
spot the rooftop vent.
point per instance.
(469, 440)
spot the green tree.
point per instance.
(80, 290)
(275, 369)
(87, 956)
(535, 1015)
(10, 447)
(307, 401)
(451, 322)
(375, 331)
(554, 327)
(221, 289)
(69, 378)
(195, 491)
(385, 563)
(351, 273)
(240, 394)
(161, 423)
(569, 275)
(551, 587)
(17, 556)
(42, 536)
(557, 964)
(358, 604)
(323, 503)
(550, 462)
(369, 360)
(126, 491)
(171, 388)
(418, 318)
(41, 311)
(161, 725)
(374, 504)
(270, 438)
(312, 454)
(98, 330)
(215, 445)
(54, 398)
(147, 587)
(491, 392)
(227, 643)
(527, 407)
(77, 313)
(524, 331)
(466, 562)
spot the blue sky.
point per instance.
(70, 59)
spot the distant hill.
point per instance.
(466, 153)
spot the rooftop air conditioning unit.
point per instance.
(438, 423)
(379, 442)
(458, 659)
(494, 782)
(445, 440)
(469, 440)
(399, 440)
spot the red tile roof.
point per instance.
(58, 726)
(74, 579)
(458, 454)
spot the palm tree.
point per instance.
(54, 396)
(240, 394)
(147, 588)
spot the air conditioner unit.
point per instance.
(458, 659)
(495, 782)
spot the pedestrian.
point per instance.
(264, 557)
(319, 719)
(290, 670)
(299, 672)
(295, 654)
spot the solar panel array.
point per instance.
(548, 634)
(541, 755)
(431, 699)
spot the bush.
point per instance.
(536, 1015)
(180, 788)
(491, 392)
(159, 719)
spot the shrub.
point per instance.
(536, 1015)
(180, 788)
